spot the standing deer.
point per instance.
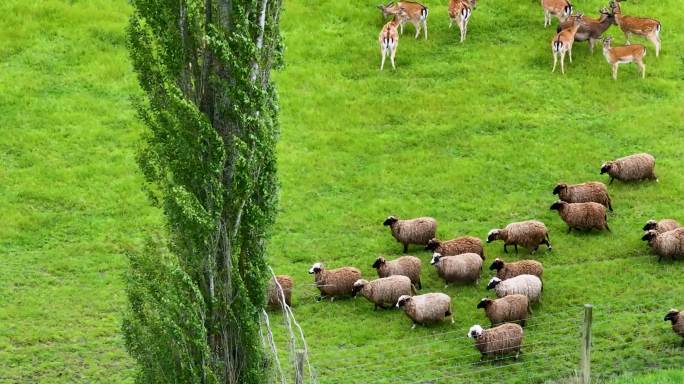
(460, 11)
(417, 14)
(562, 9)
(623, 54)
(648, 28)
(389, 38)
(591, 29)
(562, 43)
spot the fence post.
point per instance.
(586, 345)
(299, 367)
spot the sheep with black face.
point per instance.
(426, 309)
(528, 285)
(593, 191)
(408, 266)
(661, 226)
(667, 244)
(457, 246)
(529, 234)
(384, 292)
(415, 231)
(523, 267)
(582, 216)
(463, 269)
(677, 319)
(631, 168)
(511, 308)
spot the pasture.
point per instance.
(473, 134)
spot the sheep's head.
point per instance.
(484, 303)
(390, 220)
(432, 244)
(436, 257)
(475, 331)
(378, 262)
(649, 235)
(651, 224)
(608, 164)
(558, 205)
(316, 268)
(559, 188)
(672, 316)
(493, 235)
(497, 264)
(493, 282)
(403, 299)
(358, 285)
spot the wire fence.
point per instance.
(625, 338)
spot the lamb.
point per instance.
(667, 244)
(457, 246)
(506, 338)
(426, 309)
(384, 291)
(334, 282)
(415, 231)
(506, 271)
(661, 226)
(528, 285)
(677, 319)
(631, 168)
(511, 308)
(408, 266)
(274, 296)
(529, 234)
(592, 191)
(582, 216)
(464, 268)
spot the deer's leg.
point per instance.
(656, 41)
(642, 68)
(591, 45)
(615, 69)
(383, 53)
(546, 18)
(555, 61)
(451, 22)
(562, 55)
(627, 34)
(393, 51)
(570, 52)
(416, 24)
(425, 28)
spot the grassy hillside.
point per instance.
(475, 135)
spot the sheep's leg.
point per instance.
(569, 229)
(505, 249)
(611, 180)
(516, 248)
(608, 229)
(660, 258)
(522, 322)
(413, 326)
(405, 248)
(332, 299)
(375, 307)
(534, 250)
(420, 286)
(610, 207)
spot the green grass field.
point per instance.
(474, 134)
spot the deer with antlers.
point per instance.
(417, 14)
(562, 9)
(459, 12)
(645, 27)
(591, 29)
(623, 54)
(563, 41)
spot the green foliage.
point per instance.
(210, 159)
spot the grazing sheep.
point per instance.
(582, 216)
(274, 294)
(457, 246)
(408, 266)
(415, 231)
(667, 244)
(334, 282)
(505, 271)
(511, 308)
(592, 191)
(529, 234)
(384, 291)
(464, 268)
(661, 226)
(631, 168)
(426, 309)
(528, 285)
(506, 338)
(677, 319)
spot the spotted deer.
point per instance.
(417, 14)
(562, 9)
(389, 38)
(591, 29)
(459, 12)
(623, 54)
(641, 26)
(563, 41)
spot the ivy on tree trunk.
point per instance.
(209, 162)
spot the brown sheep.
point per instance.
(427, 308)
(506, 338)
(661, 226)
(529, 234)
(582, 216)
(677, 319)
(631, 168)
(523, 267)
(457, 246)
(384, 291)
(511, 308)
(334, 282)
(464, 268)
(667, 244)
(415, 231)
(274, 294)
(406, 266)
(592, 191)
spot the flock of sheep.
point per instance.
(572, 28)
(517, 285)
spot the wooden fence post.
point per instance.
(299, 367)
(586, 345)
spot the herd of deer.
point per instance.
(572, 28)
